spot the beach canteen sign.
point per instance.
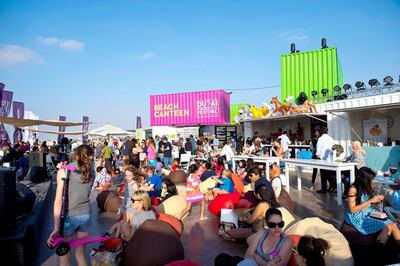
(191, 108)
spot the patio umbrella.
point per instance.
(108, 130)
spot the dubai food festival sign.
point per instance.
(191, 108)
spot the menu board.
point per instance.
(231, 132)
(223, 133)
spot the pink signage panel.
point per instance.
(191, 108)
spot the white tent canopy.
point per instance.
(109, 129)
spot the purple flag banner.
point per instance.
(2, 85)
(6, 100)
(138, 122)
(85, 127)
(61, 128)
(18, 112)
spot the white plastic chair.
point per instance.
(51, 169)
(185, 161)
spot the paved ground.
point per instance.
(200, 239)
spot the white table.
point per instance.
(384, 180)
(321, 164)
(259, 159)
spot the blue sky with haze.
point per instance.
(104, 58)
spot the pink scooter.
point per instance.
(62, 245)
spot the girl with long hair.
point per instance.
(77, 221)
(134, 153)
(151, 151)
(193, 193)
(361, 197)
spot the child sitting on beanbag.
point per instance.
(225, 184)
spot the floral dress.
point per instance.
(193, 193)
(361, 220)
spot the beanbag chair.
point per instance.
(182, 263)
(178, 176)
(224, 201)
(154, 243)
(174, 222)
(238, 183)
(339, 253)
(109, 201)
(181, 189)
(174, 206)
(248, 201)
(206, 184)
(295, 242)
(365, 249)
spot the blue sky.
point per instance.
(104, 58)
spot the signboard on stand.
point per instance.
(375, 129)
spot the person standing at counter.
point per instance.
(239, 145)
(324, 150)
(228, 153)
(285, 142)
(317, 134)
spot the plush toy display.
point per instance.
(288, 107)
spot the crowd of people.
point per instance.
(140, 171)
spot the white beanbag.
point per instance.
(339, 254)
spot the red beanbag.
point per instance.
(295, 239)
(182, 263)
(174, 222)
(225, 201)
(238, 183)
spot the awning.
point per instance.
(20, 122)
(56, 132)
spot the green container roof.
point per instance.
(308, 71)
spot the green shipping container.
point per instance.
(234, 110)
(308, 71)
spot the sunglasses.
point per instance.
(133, 200)
(274, 225)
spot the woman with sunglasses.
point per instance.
(136, 215)
(270, 246)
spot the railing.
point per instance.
(358, 93)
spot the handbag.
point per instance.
(108, 254)
(284, 198)
(223, 228)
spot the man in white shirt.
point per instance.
(285, 142)
(228, 153)
(324, 150)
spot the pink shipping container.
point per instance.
(191, 108)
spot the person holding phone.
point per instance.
(359, 208)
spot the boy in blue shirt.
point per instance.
(225, 184)
(153, 183)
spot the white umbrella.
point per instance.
(109, 129)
